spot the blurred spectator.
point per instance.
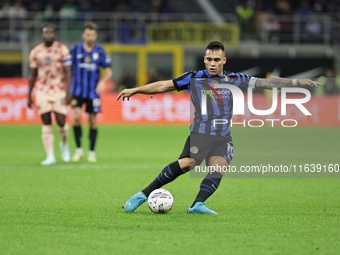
(86, 7)
(17, 11)
(305, 9)
(52, 11)
(132, 32)
(127, 80)
(319, 6)
(4, 21)
(245, 16)
(154, 75)
(331, 85)
(69, 10)
(282, 7)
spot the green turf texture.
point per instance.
(76, 208)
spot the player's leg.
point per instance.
(167, 175)
(78, 154)
(92, 108)
(63, 130)
(47, 139)
(91, 156)
(209, 185)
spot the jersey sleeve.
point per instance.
(182, 82)
(66, 56)
(33, 63)
(242, 80)
(105, 59)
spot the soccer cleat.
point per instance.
(134, 202)
(50, 160)
(200, 207)
(65, 153)
(91, 157)
(78, 154)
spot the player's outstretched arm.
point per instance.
(152, 88)
(276, 82)
(31, 80)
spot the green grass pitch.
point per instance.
(76, 208)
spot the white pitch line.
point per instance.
(78, 167)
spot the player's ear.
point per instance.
(224, 60)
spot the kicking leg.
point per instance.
(167, 175)
(209, 185)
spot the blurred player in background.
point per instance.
(50, 65)
(87, 59)
(206, 141)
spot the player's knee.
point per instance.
(186, 164)
(93, 125)
(76, 121)
(61, 123)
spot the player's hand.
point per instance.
(308, 83)
(126, 93)
(29, 102)
(100, 87)
(68, 98)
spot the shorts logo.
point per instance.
(74, 102)
(194, 150)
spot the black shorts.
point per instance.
(92, 106)
(201, 146)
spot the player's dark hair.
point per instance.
(49, 25)
(90, 25)
(215, 45)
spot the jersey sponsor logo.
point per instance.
(90, 66)
(214, 83)
(79, 55)
(47, 61)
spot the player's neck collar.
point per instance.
(85, 48)
(209, 76)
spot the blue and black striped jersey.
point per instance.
(86, 70)
(219, 103)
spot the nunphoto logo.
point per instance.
(217, 100)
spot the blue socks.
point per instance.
(168, 174)
(208, 186)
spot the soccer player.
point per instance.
(87, 59)
(206, 141)
(50, 65)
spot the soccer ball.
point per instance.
(160, 201)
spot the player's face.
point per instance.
(48, 35)
(90, 36)
(214, 61)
